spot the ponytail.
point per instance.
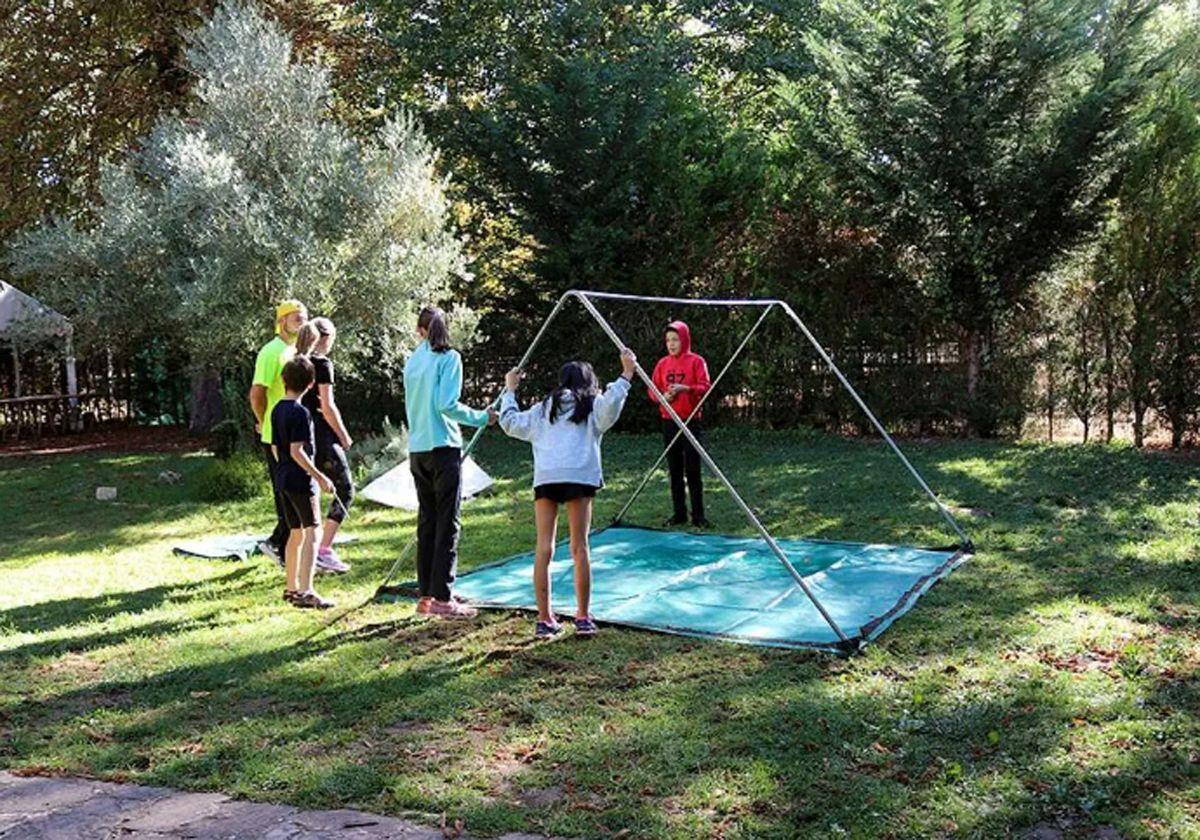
(433, 321)
(307, 338)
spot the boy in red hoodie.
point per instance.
(682, 376)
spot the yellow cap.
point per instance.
(287, 307)
(284, 309)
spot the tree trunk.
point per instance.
(1050, 400)
(1110, 387)
(973, 352)
(1139, 417)
(205, 402)
(1086, 426)
(981, 417)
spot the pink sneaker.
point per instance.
(423, 605)
(451, 609)
(328, 561)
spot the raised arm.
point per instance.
(516, 423)
(609, 404)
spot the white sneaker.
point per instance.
(329, 562)
(266, 548)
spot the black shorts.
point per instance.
(299, 509)
(562, 492)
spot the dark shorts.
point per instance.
(299, 509)
(564, 491)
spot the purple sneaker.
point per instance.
(547, 630)
(327, 561)
(585, 627)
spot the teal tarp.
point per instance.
(726, 587)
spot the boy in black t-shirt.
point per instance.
(297, 481)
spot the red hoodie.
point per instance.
(687, 368)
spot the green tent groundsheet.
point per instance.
(727, 587)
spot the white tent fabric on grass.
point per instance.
(395, 487)
(233, 546)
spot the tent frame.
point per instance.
(586, 299)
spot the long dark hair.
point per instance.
(579, 380)
(433, 320)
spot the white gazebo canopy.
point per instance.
(25, 320)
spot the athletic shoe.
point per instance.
(672, 521)
(701, 523)
(585, 627)
(451, 609)
(328, 561)
(547, 629)
(271, 551)
(311, 601)
(423, 605)
(290, 595)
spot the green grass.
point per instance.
(1053, 678)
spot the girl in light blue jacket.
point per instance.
(565, 429)
(432, 392)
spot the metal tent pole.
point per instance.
(688, 301)
(966, 541)
(763, 532)
(678, 434)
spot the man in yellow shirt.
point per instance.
(266, 390)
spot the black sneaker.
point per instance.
(701, 523)
(672, 521)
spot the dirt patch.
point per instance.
(540, 797)
(109, 439)
(75, 664)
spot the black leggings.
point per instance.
(331, 460)
(279, 536)
(438, 478)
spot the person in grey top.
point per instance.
(566, 428)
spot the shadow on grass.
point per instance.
(659, 734)
(52, 615)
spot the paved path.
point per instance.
(38, 808)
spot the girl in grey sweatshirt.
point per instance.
(565, 429)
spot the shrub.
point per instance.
(374, 456)
(224, 439)
(239, 476)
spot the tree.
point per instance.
(253, 194)
(588, 152)
(979, 138)
(1148, 263)
(1073, 319)
(82, 81)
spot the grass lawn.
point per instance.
(1054, 678)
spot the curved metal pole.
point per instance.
(679, 433)
(582, 293)
(763, 532)
(967, 544)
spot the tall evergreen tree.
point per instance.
(979, 138)
(1149, 265)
